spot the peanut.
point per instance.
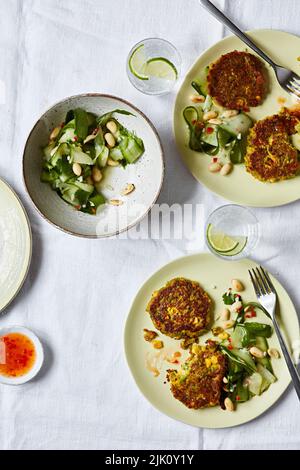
(77, 170)
(111, 162)
(225, 315)
(237, 285)
(116, 202)
(96, 175)
(226, 169)
(129, 188)
(230, 113)
(214, 167)
(90, 138)
(228, 404)
(110, 140)
(216, 121)
(210, 115)
(112, 127)
(256, 352)
(55, 133)
(274, 353)
(197, 98)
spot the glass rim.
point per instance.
(130, 75)
(219, 255)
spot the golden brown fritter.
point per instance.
(198, 384)
(270, 154)
(181, 309)
(237, 80)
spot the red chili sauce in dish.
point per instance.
(17, 355)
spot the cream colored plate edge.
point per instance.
(209, 271)
(284, 48)
(21, 240)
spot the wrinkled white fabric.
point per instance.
(78, 292)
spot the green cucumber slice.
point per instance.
(207, 104)
(78, 156)
(259, 329)
(239, 124)
(267, 377)
(211, 138)
(116, 154)
(261, 343)
(68, 135)
(255, 383)
(200, 83)
(103, 157)
(241, 357)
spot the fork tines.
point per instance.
(261, 282)
(294, 85)
(292, 88)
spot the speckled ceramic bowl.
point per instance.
(146, 174)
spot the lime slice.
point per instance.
(160, 67)
(240, 247)
(137, 63)
(223, 243)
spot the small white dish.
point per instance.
(38, 361)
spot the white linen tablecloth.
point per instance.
(78, 292)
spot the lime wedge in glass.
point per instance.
(137, 63)
(223, 243)
(160, 67)
(240, 247)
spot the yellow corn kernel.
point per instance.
(157, 344)
(172, 310)
(214, 360)
(207, 362)
(223, 336)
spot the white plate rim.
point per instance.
(29, 255)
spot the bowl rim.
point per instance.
(162, 155)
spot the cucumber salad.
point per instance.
(249, 366)
(215, 131)
(80, 149)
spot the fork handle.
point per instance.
(289, 362)
(224, 19)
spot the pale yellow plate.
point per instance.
(240, 187)
(15, 245)
(215, 276)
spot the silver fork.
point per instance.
(267, 296)
(288, 80)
